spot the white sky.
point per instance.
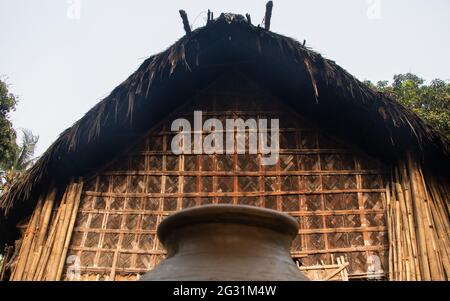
(60, 65)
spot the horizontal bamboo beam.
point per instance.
(230, 194)
(293, 213)
(340, 250)
(302, 231)
(242, 173)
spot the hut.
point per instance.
(367, 179)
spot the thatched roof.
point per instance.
(310, 83)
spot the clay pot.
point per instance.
(227, 242)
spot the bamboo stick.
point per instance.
(406, 233)
(442, 225)
(52, 250)
(45, 220)
(77, 197)
(399, 239)
(432, 257)
(26, 245)
(434, 231)
(29, 259)
(411, 225)
(393, 242)
(389, 226)
(42, 265)
(444, 247)
(419, 219)
(61, 233)
(49, 248)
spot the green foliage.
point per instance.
(24, 155)
(8, 146)
(20, 161)
(430, 101)
(14, 158)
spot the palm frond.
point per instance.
(27, 149)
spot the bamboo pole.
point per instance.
(61, 233)
(433, 228)
(26, 244)
(389, 226)
(33, 240)
(443, 246)
(48, 255)
(52, 250)
(41, 267)
(419, 221)
(407, 258)
(77, 196)
(442, 226)
(394, 242)
(410, 220)
(40, 240)
(433, 256)
(399, 239)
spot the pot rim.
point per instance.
(223, 213)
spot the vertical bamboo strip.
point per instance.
(40, 238)
(38, 225)
(50, 265)
(433, 228)
(389, 227)
(405, 232)
(46, 257)
(443, 245)
(26, 244)
(410, 221)
(419, 221)
(442, 226)
(393, 236)
(58, 246)
(426, 223)
(77, 196)
(418, 224)
(42, 265)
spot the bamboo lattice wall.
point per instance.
(337, 194)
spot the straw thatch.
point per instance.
(309, 82)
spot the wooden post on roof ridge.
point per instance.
(249, 19)
(184, 17)
(210, 17)
(268, 15)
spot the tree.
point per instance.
(8, 145)
(431, 102)
(20, 161)
(14, 158)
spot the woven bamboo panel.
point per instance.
(336, 193)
